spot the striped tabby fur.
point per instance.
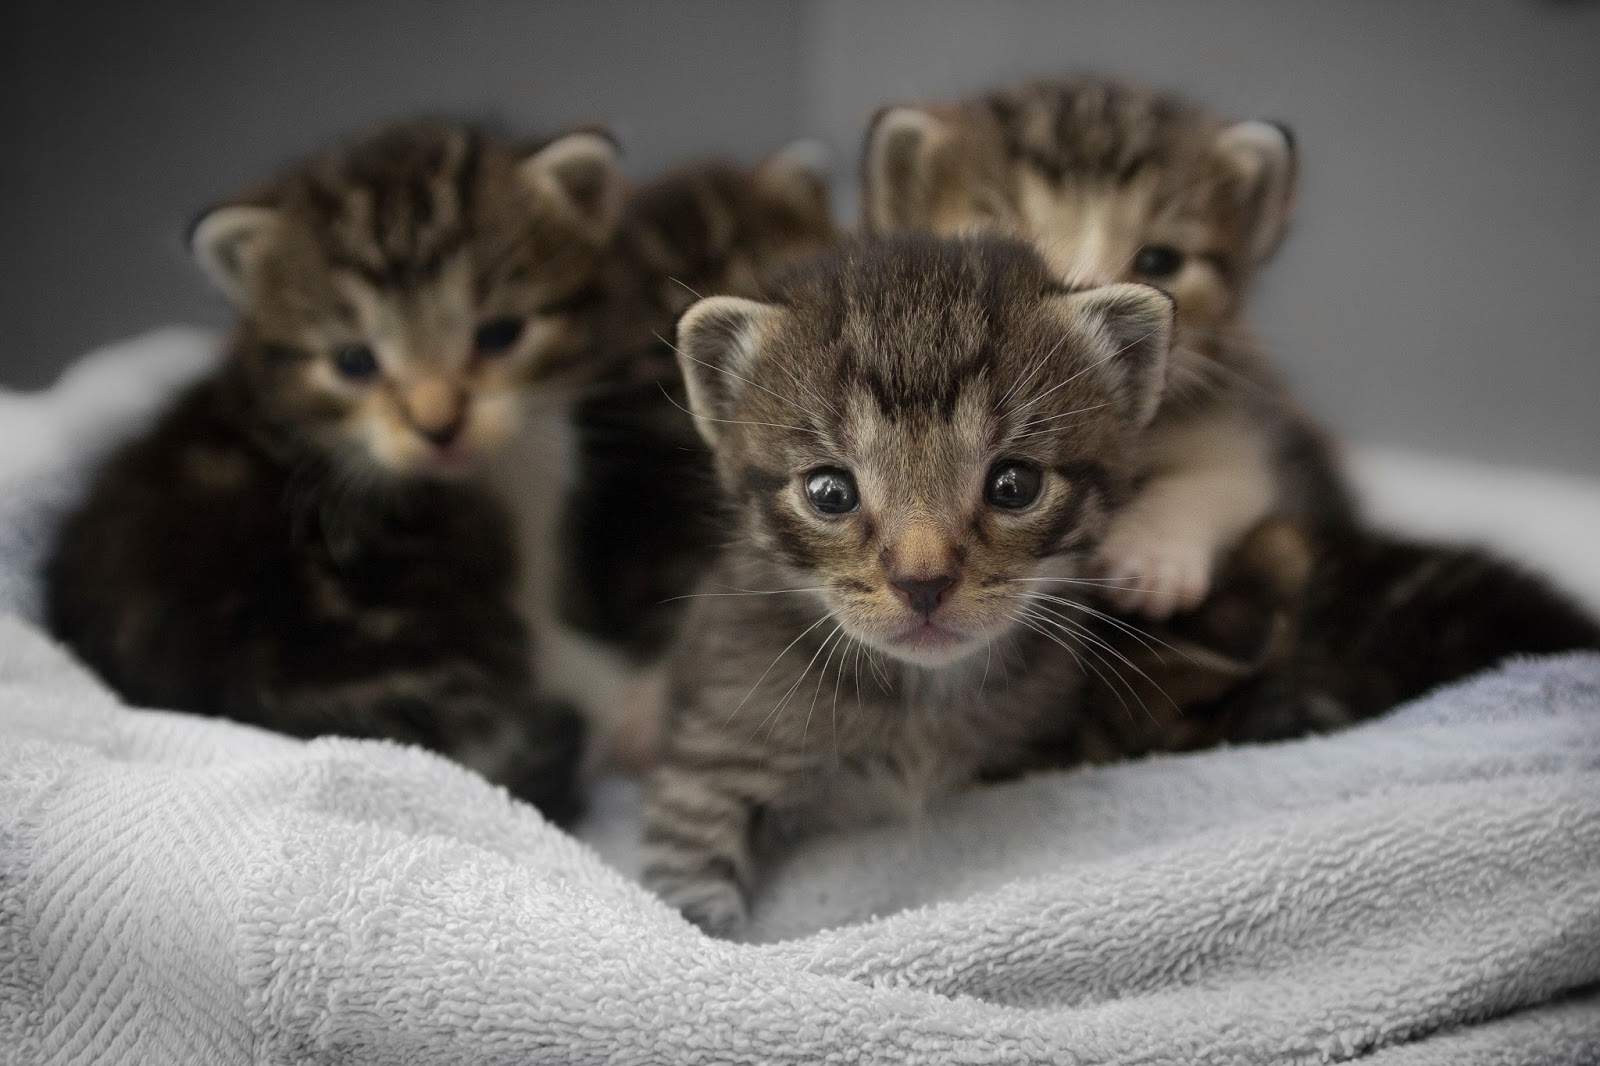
(297, 544)
(1118, 183)
(892, 651)
(641, 520)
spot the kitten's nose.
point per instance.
(445, 435)
(924, 593)
(437, 410)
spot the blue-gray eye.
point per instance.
(1157, 261)
(1013, 485)
(355, 361)
(832, 491)
(496, 336)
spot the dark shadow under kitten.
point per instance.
(299, 543)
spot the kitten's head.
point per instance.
(397, 294)
(722, 228)
(921, 429)
(1112, 182)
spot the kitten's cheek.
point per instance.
(492, 422)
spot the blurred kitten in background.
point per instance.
(1114, 182)
(1306, 620)
(640, 516)
(299, 543)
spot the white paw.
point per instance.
(1154, 572)
(715, 905)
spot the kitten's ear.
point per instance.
(801, 173)
(906, 151)
(717, 339)
(579, 175)
(229, 244)
(1262, 154)
(1137, 323)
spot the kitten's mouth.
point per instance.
(452, 461)
(926, 635)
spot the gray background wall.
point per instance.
(1439, 290)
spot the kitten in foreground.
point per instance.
(1113, 182)
(922, 438)
(641, 520)
(298, 543)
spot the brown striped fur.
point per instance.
(816, 668)
(300, 548)
(641, 520)
(1094, 172)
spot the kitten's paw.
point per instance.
(1155, 572)
(715, 905)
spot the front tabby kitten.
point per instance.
(919, 437)
(297, 543)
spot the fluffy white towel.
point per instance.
(1422, 890)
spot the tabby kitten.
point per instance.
(298, 543)
(920, 437)
(1116, 183)
(638, 527)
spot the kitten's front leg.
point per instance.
(698, 828)
(1215, 483)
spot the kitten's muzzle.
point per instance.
(437, 410)
(924, 594)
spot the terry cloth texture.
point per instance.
(1424, 889)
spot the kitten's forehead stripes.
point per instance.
(394, 211)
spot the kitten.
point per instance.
(1303, 638)
(1116, 183)
(636, 532)
(919, 437)
(298, 543)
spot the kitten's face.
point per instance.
(919, 430)
(1112, 183)
(400, 295)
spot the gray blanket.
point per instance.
(1424, 889)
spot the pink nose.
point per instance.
(924, 594)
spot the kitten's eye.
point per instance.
(355, 361)
(1157, 261)
(832, 491)
(496, 336)
(1013, 485)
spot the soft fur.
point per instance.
(641, 517)
(299, 547)
(816, 662)
(1118, 183)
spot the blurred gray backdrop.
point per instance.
(1439, 290)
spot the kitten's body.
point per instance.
(1115, 183)
(640, 525)
(298, 543)
(901, 647)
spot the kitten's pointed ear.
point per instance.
(229, 244)
(579, 175)
(905, 153)
(717, 338)
(1137, 323)
(1262, 154)
(802, 173)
